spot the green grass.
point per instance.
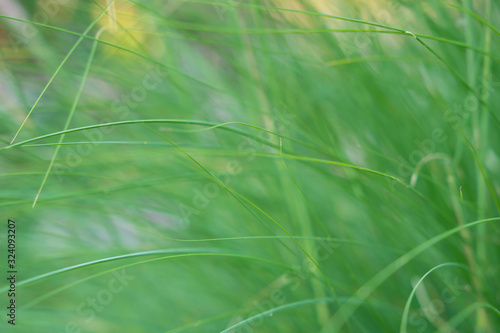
(251, 166)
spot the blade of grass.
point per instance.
(406, 311)
(348, 309)
(80, 39)
(277, 309)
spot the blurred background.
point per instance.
(350, 133)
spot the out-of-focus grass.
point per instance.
(252, 166)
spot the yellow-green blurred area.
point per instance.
(251, 166)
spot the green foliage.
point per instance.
(251, 166)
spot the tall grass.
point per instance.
(251, 166)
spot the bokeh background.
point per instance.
(294, 150)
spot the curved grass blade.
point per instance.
(462, 315)
(277, 309)
(93, 276)
(100, 261)
(406, 311)
(348, 309)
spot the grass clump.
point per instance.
(252, 166)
